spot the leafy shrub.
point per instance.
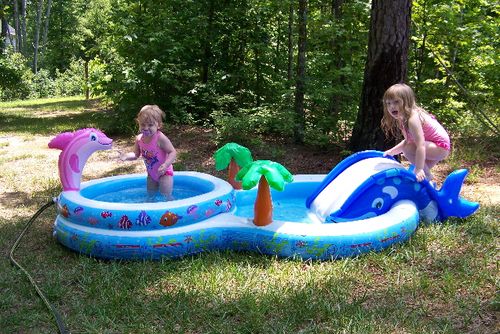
(41, 85)
(249, 126)
(72, 81)
(13, 72)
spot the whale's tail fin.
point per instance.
(450, 202)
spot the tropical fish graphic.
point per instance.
(191, 210)
(169, 218)
(78, 210)
(229, 205)
(149, 159)
(65, 211)
(124, 223)
(143, 219)
(106, 214)
(218, 202)
(92, 220)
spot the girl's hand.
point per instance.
(126, 156)
(162, 169)
(420, 174)
(388, 152)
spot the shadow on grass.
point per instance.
(50, 125)
(76, 103)
(57, 116)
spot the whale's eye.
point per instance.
(378, 203)
(93, 137)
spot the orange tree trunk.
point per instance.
(233, 170)
(263, 210)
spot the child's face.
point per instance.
(394, 106)
(148, 127)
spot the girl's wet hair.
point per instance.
(151, 112)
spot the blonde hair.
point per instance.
(402, 92)
(151, 112)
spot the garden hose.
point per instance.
(51, 308)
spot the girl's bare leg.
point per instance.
(152, 188)
(167, 186)
(433, 154)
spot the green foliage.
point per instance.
(227, 63)
(249, 126)
(72, 81)
(13, 71)
(452, 64)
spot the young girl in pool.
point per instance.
(425, 141)
(156, 150)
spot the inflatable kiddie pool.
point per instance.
(366, 203)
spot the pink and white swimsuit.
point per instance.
(153, 157)
(433, 132)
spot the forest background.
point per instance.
(238, 65)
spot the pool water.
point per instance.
(288, 205)
(292, 210)
(133, 190)
(140, 195)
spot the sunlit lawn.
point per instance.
(444, 280)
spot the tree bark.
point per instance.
(45, 31)
(4, 28)
(22, 46)
(207, 49)
(301, 74)
(337, 61)
(290, 42)
(386, 65)
(263, 210)
(36, 39)
(17, 26)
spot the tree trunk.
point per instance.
(232, 171)
(36, 39)
(45, 31)
(337, 61)
(3, 29)
(301, 74)
(290, 42)
(207, 50)
(17, 26)
(386, 65)
(87, 84)
(263, 210)
(22, 46)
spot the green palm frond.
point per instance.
(275, 174)
(240, 154)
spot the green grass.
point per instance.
(444, 280)
(48, 116)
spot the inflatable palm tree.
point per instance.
(235, 156)
(267, 174)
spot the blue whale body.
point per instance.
(386, 185)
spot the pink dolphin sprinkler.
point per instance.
(76, 148)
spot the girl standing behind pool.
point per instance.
(156, 150)
(425, 141)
